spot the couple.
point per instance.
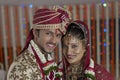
(50, 26)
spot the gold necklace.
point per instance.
(74, 72)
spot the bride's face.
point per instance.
(73, 49)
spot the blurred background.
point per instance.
(102, 17)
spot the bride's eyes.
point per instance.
(74, 46)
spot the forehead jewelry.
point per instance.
(67, 37)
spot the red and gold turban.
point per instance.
(51, 18)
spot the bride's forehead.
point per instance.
(70, 38)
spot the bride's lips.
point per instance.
(71, 56)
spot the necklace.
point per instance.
(74, 72)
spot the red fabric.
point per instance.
(46, 16)
(49, 16)
(102, 74)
